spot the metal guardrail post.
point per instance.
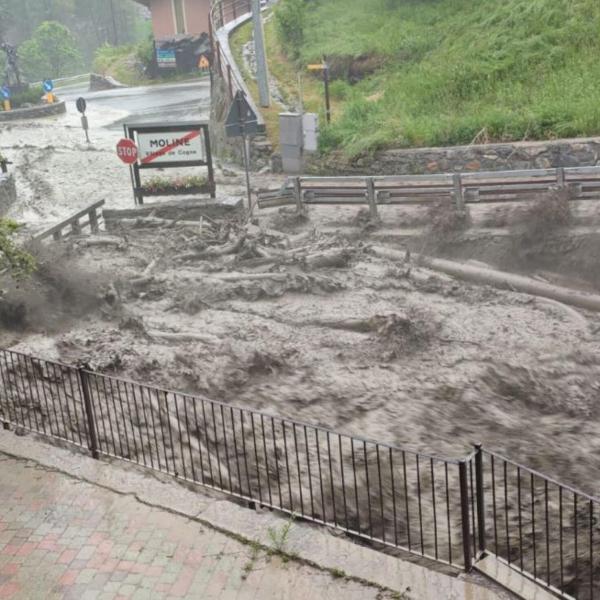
(87, 404)
(464, 514)
(229, 81)
(560, 178)
(234, 10)
(298, 194)
(221, 12)
(372, 198)
(480, 498)
(219, 59)
(459, 199)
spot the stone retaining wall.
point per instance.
(35, 112)
(485, 157)
(8, 193)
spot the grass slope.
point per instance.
(459, 70)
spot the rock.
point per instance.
(103, 82)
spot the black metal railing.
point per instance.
(451, 511)
(540, 527)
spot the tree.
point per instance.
(13, 259)
(50, 53)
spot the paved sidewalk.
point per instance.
(63, 538)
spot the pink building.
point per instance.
(180, 33)
(178, 18)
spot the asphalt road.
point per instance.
(166, 102)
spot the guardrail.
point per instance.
(451, 511)
(74, 225)
(223, 12)
(582, 183)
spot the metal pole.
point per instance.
(262, 71)
(480, 498)
(464, 514)
(327, 101)
(247, 168)
(87, 404)
(114, 21)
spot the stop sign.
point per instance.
(127, 151)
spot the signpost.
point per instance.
(164, 146)
(166, 58)
(127, 151)
(5, 90)
(48, 86)
(81, 105)
(324, 67)
(242, 122)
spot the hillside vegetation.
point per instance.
(443, 72)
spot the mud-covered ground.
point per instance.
(368, 346)
(313, 326)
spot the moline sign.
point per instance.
(171, 147)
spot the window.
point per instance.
(178, 10)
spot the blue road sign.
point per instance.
(5, 90)
(48, 85)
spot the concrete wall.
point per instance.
(485, 157)
(35, 112)
(163, 17)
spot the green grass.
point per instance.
(286, 74)
(458, 70)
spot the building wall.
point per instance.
(196, 15)
(163, 21)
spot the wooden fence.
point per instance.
(74, 224)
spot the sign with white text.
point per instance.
(170, 147)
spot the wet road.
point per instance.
(184, 101)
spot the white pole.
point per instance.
(262, 71)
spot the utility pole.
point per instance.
(262, 71)
(114, 22)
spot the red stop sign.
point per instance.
(127, 151)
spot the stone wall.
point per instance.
(8, 193)
(485, 157)
(35, 112)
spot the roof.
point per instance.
(144, 2)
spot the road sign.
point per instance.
(5, 92)
(48, 85)
(319, 67)
(166, 59)
(241, 120)
(127, 151)
(81, 105)
(167, 147)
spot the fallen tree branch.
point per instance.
(499, 279)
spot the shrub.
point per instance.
(290, 16)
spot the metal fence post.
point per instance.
(560, 178)
(371, 197)
(230, 84)
(480, 498)
(298, 194)
(459, 199)
(89, 413)
(464, 514)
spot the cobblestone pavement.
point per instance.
(63, 538)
